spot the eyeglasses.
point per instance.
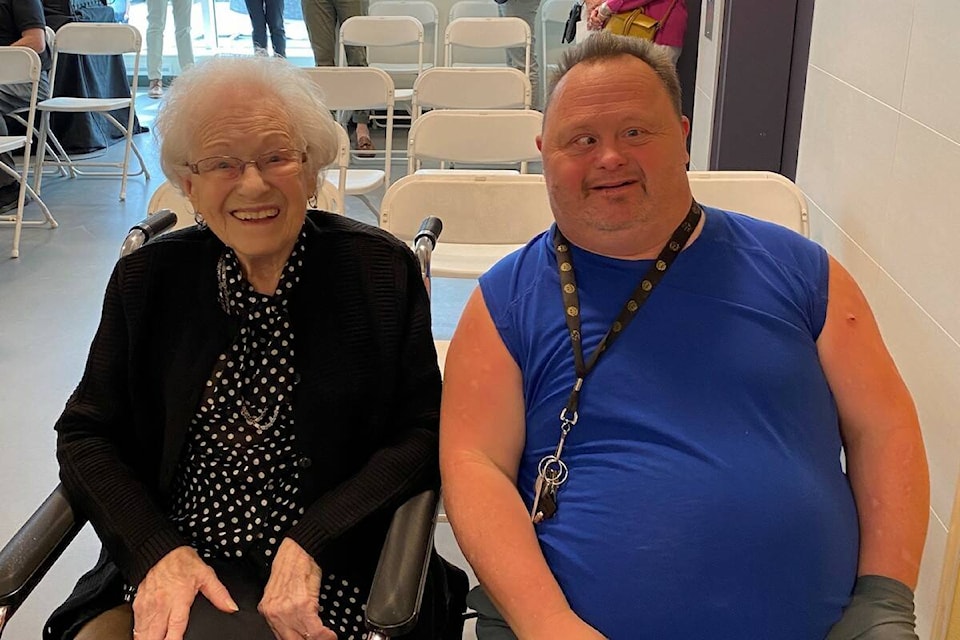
(272, 164)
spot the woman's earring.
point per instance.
(198, 218)
(313, 202)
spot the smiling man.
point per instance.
(644, 408)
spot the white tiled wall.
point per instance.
(880, 162)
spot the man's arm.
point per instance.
(886, 462)
(35, 39)
(481, 441)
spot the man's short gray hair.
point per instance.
(603, 45)
(297, 99)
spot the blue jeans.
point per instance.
(264, 13)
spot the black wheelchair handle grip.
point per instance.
(157, 223)
(430, 228)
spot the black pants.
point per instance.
(440, 612)
(264, 13)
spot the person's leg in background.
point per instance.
(258, 20)
(320, 18)
(526, 10)
(156, 22)
(273, 11)
(357, 57)
(181, 25)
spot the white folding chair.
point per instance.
(486, 33)
(384, 31)
(94, 38)
(20, 65)
(762, 194)
(469, 88)
(485, 217)
(476, 137)
(19, 114)
(351, 88)
(553, 18)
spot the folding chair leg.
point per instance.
(365, 200)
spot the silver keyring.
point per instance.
(553, 469)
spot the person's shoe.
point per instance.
(365, 144)
(8, 198)
(156, 89)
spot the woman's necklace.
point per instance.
(257, 422)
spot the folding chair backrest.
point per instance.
(761, 194)
(471, 88)
(484, 216)
(351, 88)
(383, 31)
(485, 33)
(98, 38)
(170, 197)
(472, 9)
(424, 11)
(475, 209)
(475, 136)
(20, 65)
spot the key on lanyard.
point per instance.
(551, 473)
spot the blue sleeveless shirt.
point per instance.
(706, 497)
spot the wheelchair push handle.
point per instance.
(430, 230)
(424, 243)
(143, 231)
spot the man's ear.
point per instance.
(540, 144)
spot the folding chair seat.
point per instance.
(553, 18)
(350, 88)
(468, 88)
(385, 31)
(476, 137)
(20, 65)
(485, 33)
(93, 38)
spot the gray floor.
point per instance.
(49, 308)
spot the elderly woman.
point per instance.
(262, 391)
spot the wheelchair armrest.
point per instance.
(33, 549)
(397, 589)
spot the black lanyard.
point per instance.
(552, 471)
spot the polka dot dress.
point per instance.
(236, 488)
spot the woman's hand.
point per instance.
(590, 5)
(595, 20)
(291, 599)
(162, 606)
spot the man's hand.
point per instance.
(291, 599)
(162, 606)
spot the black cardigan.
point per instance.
(366, 402)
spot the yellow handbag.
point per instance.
(636, 23)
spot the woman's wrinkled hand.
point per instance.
(291, 599)
(595, 20)
(161, 608)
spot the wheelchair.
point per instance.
(398, 584)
